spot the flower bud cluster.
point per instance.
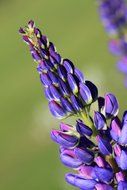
(96, 147)
(99, 162)
(65, 86)
(113, 14)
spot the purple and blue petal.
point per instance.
(57, 110)
(104, 145)
(82, 128)
(69, 159)
(99, 121)
(80, 182)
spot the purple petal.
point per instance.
(111, 105)
(44, 40)
(72, 83)
(82, 128)
(77, 105)
(115, 128)
(57, 110)
(51, 47)
(123, 135)
(79, 75)
(85, 155)
(55, 92)
(54, 78)
(100, 161)
(104, 145)
(122, 185)
(85, 93)
(26, 39)
(22, 31)
(93, 89)
(99, 121)
(103, 175)
(68, 65)
(36, 56)
(80, 182)
(69, 159)
(120, 177)
(48, 94)
(64, 88)
(62, 72)
(67, 141)
(117, 150)
(122, 160)
(67, 105)
(42, 67)
(101, 186)
(55, 58)
(45, 66)
(44, 53)
(87, 172)
(45, 79)
(115, 47)
(122, 65)
(65, 127)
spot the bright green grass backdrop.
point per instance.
(28, 158)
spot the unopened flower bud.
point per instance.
(111, 106)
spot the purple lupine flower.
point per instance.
(65, 127)
(96, 173)
(114, 47)
(93, 90)
(99, 121)
(101, 186)
(79, 75)
(103, 174)
(85, 93)
(111, 107)
(64, 139)
(123, 135)
(114, 18)
(122, 65)
(57, 109)
(85, 155)
(80, 182)
(82, 129)
(69, 159)
(121, 157)
(73, 83)
(115, 128)
(77, 104)
(113, 15)
(122, 182)
(59, 76)
(101, 162)
(96, 147)
(104, 145)
(118, 129)
(87, 172)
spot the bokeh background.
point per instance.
(28, 158)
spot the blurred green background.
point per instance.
(28, 158)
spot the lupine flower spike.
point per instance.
(113, 14)
(96, 145)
